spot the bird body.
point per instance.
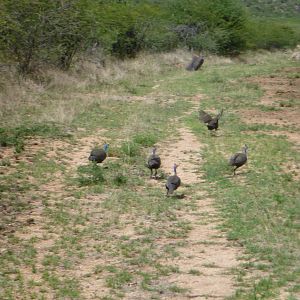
(239, 159)
(196, 63)
(173, 182)
(154, 162)
(99, 155)
(211, 123)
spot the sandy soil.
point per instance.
(206, 262)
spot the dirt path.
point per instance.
(206, 261)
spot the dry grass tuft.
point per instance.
(58, 96)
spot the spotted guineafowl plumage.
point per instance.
(173, 182)
(99, 155)
(239, 159)
(153, 162)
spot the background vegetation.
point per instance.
(279, 8)
(38, 33)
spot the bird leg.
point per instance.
(234, 171)
(155, 175)
(151, 175)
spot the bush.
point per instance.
(128, 44)
(270, 34)
(36, 32)
(223, 21)
(160, 38)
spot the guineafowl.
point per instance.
(239, 159)
(196, 63)
(211, 123)
(173, 182)
(99, 155)
(154, 162)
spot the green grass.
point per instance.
(107, 222)
(16, 136)
(260, 206)
(274, 8)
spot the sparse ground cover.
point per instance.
(71, 230)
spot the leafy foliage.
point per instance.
(34, 33)
(274, 7)
(270, 34)
(43, 31)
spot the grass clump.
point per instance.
(64, 288)
(130, 148)
(119, 279)
(145, 139)
(16, 136)
(120, 179)
(91, 174)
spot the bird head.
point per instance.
(153, 150)
(245, 148)
(105, 147)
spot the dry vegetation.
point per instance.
(59, 95)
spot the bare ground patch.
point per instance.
(205, 263)
(283, 94)
(279, 89)
(283, 117)
(37, 224)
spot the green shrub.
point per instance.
(37, 32)
(128, 44)
(224, 20)
(130, 149)
(270, 34)
(160, 37)
(273, 8)
(145, 139)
